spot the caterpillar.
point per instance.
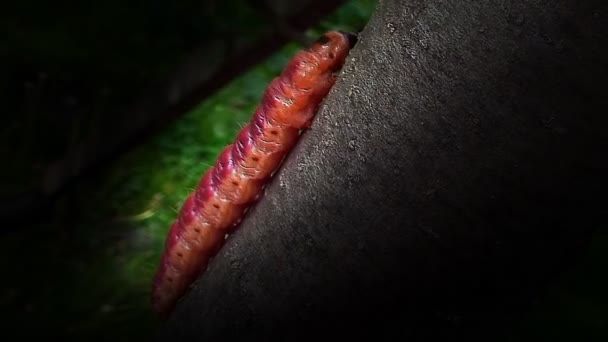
(236, 181)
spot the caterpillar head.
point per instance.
(330, 50)
(313, 70)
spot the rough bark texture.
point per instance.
(455, 167)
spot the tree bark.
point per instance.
(454, 169)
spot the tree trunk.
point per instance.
(454, 169)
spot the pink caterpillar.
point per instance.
(243, 168)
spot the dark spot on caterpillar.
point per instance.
(180, 255)
(235, 183)
(274, 132)
(216, 206)
(197, 230)
(331, 55)
(255, 159)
